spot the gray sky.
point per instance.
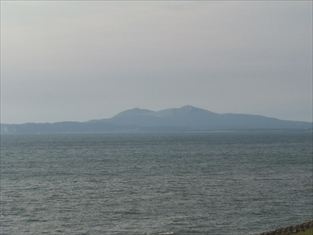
(86, 60)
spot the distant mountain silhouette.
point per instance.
(186, 118)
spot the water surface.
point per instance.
(214, 183)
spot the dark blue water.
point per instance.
(218, 183)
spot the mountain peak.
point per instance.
(188, 107)
(133, 111)
(192, 108)
(138, 110)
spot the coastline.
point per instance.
(305, 228)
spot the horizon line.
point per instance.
(151, 110)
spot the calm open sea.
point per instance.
(213, 183)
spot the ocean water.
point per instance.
(209, 183)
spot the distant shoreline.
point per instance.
(184, 119)
(170, 132)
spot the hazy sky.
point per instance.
(86, 60)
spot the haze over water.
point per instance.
(213, 183)
(66, 62)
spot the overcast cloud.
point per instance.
(87, 60)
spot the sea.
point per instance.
(219, 183)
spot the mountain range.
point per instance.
(186, 118)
